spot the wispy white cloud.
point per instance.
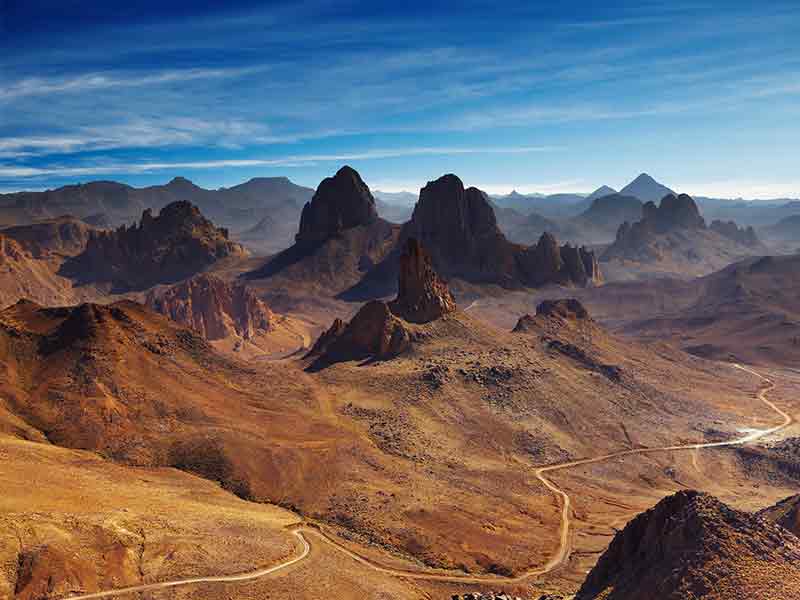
(22, 171)
(88, 82)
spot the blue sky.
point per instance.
(537, 96)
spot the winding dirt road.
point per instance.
(558, 558)
(306, 549)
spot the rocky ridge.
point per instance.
(174, 245)
(65, 236)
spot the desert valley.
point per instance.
(417, 410)
(424, 301)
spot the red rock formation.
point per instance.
(421, 296)
(212, 307)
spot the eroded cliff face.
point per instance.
(214, 308)
(176, 244)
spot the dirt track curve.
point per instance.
(559, 557)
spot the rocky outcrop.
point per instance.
(214, 308)
(458, 227)
(380, 330)
(565, 308)
(691, 545)
(373, 333)
(340, 202)
(547, 262)
(741, 235)
(176, 244)
(674, 212)
(525, 324)
(422, 296)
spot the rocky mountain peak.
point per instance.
(666, 551)
(422, 296)
(603, 190)
(340, 202)
(460, 215)
(646, 189)
(381, 330)
(674, 212)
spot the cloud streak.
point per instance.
(89, 82)
(21, 171)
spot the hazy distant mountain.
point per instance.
(673, 239)
(597, 224)
(758, 213)
(646, 189)
(787, 229)
(608, 212)
(749, 311)
(603, 190)
(398, 198)
(395, 213)
(553, 206)
(237, 208)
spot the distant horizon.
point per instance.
(492, 190)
